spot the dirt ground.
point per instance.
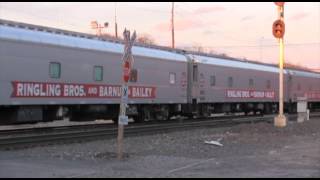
(249, 150)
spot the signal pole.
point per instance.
(280, 120)
(127, 62)
(172, 23)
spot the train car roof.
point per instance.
(30, 35)
(303, 73)
(248, 65)
(233, 64)
(41, 34)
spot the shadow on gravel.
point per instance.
(111, 156)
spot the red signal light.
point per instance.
(278, 28)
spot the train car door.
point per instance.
(193, 85)
(289, 95)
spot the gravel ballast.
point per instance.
(249, 150)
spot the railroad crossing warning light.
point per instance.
(278, 28)
(279, 3)
(126, 71)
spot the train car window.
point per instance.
(212, 80)
(251, 83)
(230, 82)
(55, 70)
(98, 73)
(268, 84)
(172, 78)
(134, 75)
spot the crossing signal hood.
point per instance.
(278, 29)
(279, 3)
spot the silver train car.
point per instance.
(47, 74)
(228, 85)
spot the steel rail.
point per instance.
(83, 133)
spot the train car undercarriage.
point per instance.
(139, 112)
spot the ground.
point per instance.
(249, 150)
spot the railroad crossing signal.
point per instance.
(123, 120)
(124, 95)
(278, 29)
(127, 60)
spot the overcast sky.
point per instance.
(239, 29)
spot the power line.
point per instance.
(183, 8)
(48, 19)
(148, 9)
(256, 46)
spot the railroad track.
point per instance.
(52, 135)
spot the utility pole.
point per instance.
(115, 20)
(278, 32)
(172, 24)
(319, 32)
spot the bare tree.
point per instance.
(108, 36)
(296, 66)
(146, 39)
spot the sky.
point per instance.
(238, 29)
